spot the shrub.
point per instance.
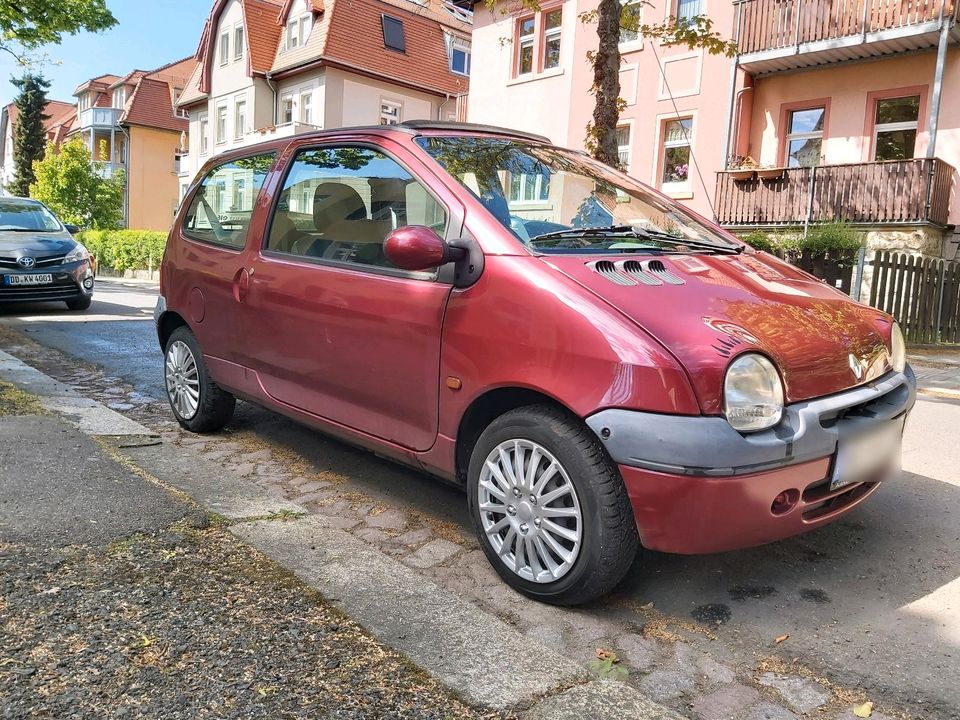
(836, 238)
(759, 240)
(125, 249)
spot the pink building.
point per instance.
(846, 104)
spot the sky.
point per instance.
(150, 33)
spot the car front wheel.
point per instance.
(198, 404)
(549, 506)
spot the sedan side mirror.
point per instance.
(72, 229)
(416, 247)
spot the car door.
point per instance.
(210, 243)
(334, 328)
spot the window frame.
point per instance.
(675, 7)
(545, 36)
(783, 147)
(522, 40)
(453, 219)
(464, 46)
(308, 94)
(637, 42)
(287, 96)
(203, 119)
(894, 127)
(397, 23)
(224, 48)
(398, 104)
(120, 92)
(238, 43)
(628, 125)
(218, 137)
(684, 187)
(189, 197)
(239, 128)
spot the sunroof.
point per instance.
(393, 34)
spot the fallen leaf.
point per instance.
(863, 711)
(147, 642)
(607, 655)
(648, 606)
(780, 638)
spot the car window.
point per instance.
(339, 203)
(26, 216)
(222, 207)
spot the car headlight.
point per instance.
(752, 394)
(898, 349)
(77, 254)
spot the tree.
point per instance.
(28, 24)
(70, 186)
(28, 135)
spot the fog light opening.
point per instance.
(785, 502)
(88, 283)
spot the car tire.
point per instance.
(198, 403)
(80, 303)
(571, 512)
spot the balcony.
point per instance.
(776, 35)
(99, 118)
(283, 130)
(107, 170)
(897, 192)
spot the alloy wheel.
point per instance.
(183, 379)
(529, 511)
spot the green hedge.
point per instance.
(125, 249)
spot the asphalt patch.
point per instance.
(739, 593)
(712, 614)
(815, 595)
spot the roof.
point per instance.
(100, 82)
(55, 110)
(151, 105)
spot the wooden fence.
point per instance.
(923, 294)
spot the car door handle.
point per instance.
(241, 284)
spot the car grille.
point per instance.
(11, 262)
(62, 288)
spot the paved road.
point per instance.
(875, 597)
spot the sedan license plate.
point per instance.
(861, 455)
(42, 279)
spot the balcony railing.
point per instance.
(99, 117)
(106, 169)
(878, 193)
(785, 34)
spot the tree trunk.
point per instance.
(606, 82)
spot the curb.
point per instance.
(470, 651)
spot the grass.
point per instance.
(17, 402)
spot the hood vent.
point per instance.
(635, 272)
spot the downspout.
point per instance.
(733, 89)
(440, 109)
(126, 176)
(737, 105)
(273, 89)
(935, 106)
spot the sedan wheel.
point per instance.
(198, 403)
(530, 511)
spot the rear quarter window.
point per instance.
(221, 209)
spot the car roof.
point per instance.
(412, 128)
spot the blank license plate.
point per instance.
(864, 454)
(43, 279)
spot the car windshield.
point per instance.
(26, 216)
(559, 201)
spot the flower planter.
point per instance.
(770, 173)
(739, 175)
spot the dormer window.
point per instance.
(459, 56)
(119, 96)
(83, 102)
(298, 31)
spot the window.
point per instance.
(390, 113)
(222, 124)
(630, 11)
(895, 128)
(525, 37)
(393, 37)
(118, 97)
(551, 38)
(306, 107)
(676, 154)
(689, 9)
(286, 109)
(210, 218)
(623, 146)
(340, 203)
(240, 119)
(203, 122)
(293, 34)
(533, 187)
(238, 43)
(224, 48)
(305, 26)
(459, 56)
(84, 101)
(804, 141)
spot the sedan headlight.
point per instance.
(898, 349)
(752, 394)
(77, 254)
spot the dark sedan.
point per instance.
(39, 259)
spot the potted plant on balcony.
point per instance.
(770, 172)
(741, 168)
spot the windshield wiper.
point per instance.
(585, 232)
(674, 240)
(637, 232)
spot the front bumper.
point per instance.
(68, 284)
(697, 485)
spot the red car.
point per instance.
(596, 365)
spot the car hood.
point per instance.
(707, 309)
(35, 244)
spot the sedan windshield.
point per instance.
(558, 201)
(26, 216)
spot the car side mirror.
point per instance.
(416, 247)
(72, 229)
